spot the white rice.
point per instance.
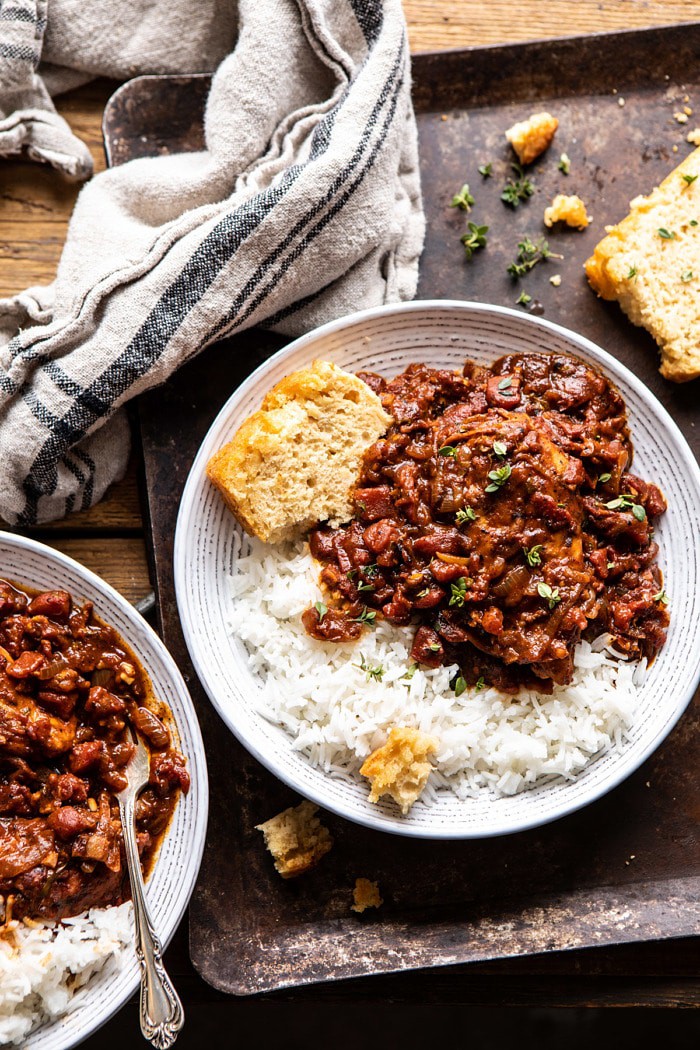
(43, 965)
(336, 715)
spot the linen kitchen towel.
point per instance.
(304, 205)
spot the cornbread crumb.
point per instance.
(693, 137)
(620, 101)
(529, 138)
(650, 263)
(365, 895)
(296, 461)
(570, 210)
(400, 768)
(555, 280)
(297, 839)
(681, 118)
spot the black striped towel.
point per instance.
(304, 206)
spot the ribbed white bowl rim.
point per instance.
(170, 885)
(387, 339)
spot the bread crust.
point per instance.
(656, 278)
(295, 461)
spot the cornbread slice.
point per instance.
(400, 768)
(529, 138)
(365, 895)
(295, 461)
(297, 839)
(650, 263)
(570, 210)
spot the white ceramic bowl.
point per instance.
(386, 340)
(171, 883)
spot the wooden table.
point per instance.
(34, 211)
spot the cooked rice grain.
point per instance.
(43, 965)
(336, 714)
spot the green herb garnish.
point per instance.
(625, 502)
(518, 189)
(460, 685)
(661, 596)
(687, 276)
(480, 683)
(500, 449)
(564, 164)
(632, 273)
(367, 616)
(377, 673)
(463, 199)
(551, 595)
(693, 222)
(434, 647)
(530, 253)
(474, 239)
(667, 235)
(604, 477)
(486, 170)
(533, 555)
(364, 586)
(505, 383)
(523, 299)
(498, 477)
(689, 179)
(448, 450)
(321, 609)
(409, 673)
(464, 515)
(458, 591)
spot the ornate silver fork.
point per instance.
(161, 1011)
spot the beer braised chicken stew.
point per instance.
(499, 514)
(70, 697)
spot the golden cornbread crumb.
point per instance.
(570, 210)
(529, 138)
(365, 895)
(693, 137)
(681, 118)
(297, 839)
(296, 461)
(650, 263)
(400, 768)
(555, 280)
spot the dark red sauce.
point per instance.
(499, 516)
(71, 693)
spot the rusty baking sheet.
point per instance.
(626, 868)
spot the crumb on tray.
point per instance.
(570, 210)
(529, 138)
(365, 895)
(297, 839)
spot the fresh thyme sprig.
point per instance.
(517, 189)
(463, 199)
(551, 595)
(459, 590)
(530, 253)
(533, 555)
(376, 673)
(474, 239)
(498, 477)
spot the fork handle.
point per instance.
(161, 1012)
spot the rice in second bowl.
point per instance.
(337, 701)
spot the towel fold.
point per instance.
(304, 206)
